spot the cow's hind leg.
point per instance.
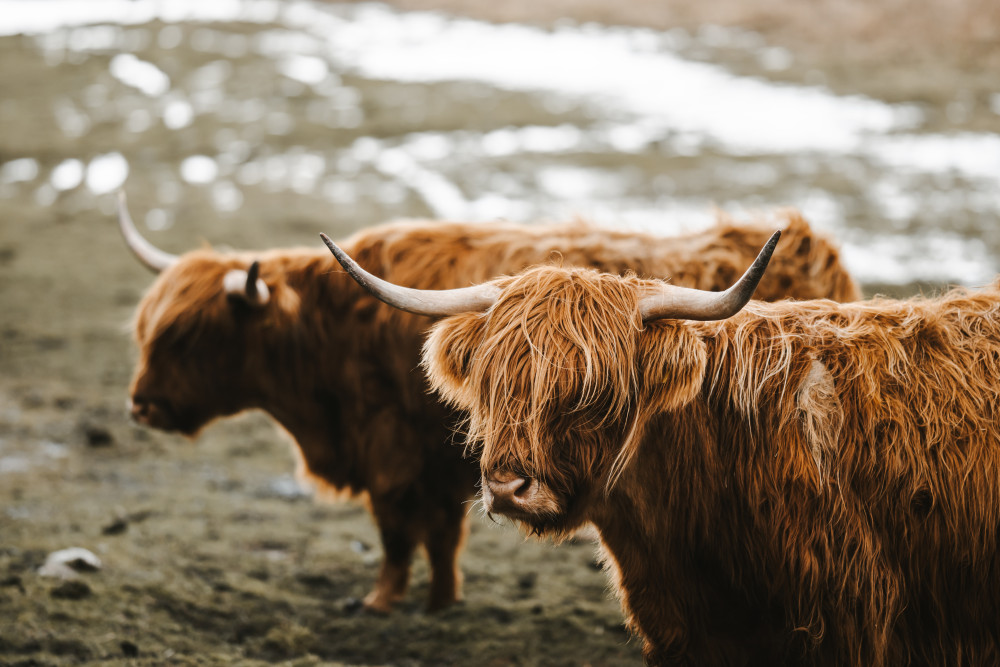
(446, 534)
(399, 540)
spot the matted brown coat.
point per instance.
(805, 483)
(300, 340)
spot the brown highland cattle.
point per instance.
(805, 483)
(288, 332)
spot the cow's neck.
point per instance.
(646, 546)
(322, 438)
(349, 355)
(664, 525)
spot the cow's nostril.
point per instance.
(142, 409)
(509, 489)
(138, 407)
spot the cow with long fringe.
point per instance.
(287, 332)
(797, 483)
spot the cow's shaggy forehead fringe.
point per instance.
(558, 349)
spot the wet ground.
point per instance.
(256, 124)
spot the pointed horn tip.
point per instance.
(773, 241)
(756, 271)
(764, 256)
(345, 260)
(251, 285)
(769, 247)
(333, 247)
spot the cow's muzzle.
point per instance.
(506, 492)
(150, 412)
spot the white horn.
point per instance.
(419, 302)
(154, 258)
(683, 303)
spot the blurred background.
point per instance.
(260, 123)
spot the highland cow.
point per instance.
(805, 483)
(287, 332)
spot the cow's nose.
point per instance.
(138, 409)
(508, 490)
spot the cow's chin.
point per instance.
(164, 416)
(546, 514)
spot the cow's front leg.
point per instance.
(399, 540)
(445, 539)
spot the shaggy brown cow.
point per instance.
(805, 483)
(286, 331)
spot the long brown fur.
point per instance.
(806, 483)
(339, 370)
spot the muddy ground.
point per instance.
(211, 553)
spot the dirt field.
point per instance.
(211, 553)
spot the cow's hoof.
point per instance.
(376, 603)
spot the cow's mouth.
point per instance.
(523, 499)
(159, 413)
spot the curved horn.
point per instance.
(247, 285)
(682, 303)
(251, 287)
(154, 258)
(419, 302)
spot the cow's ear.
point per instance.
(673, 360)
(448, 353)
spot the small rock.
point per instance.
(499, 614)
(71, 590)
(351, 605)
(116, 527)
(65, 402)
(66, 563)
(14, 581)
(129, 650)
(359, 547)
(137, 517)
(97, 436)
(527, 581)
